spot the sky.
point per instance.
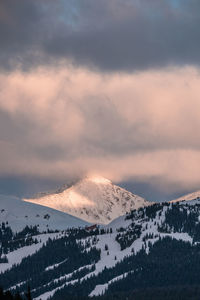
(100, 87)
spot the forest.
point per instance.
(162, 264)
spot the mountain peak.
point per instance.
(94, 199)
(98, 179)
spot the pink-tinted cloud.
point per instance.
(68, 122)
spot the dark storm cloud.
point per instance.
(110, 35)
(18, 30)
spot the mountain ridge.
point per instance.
(94, 199)
(194, 196)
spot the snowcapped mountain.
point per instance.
(93, 199)
(19, 214)
(191, 198)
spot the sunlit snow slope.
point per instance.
(93, 199)
(191, 198)
(19, 214)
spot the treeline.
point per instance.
(126, 237)
(146, 213)
(11, 241)
(182, 218)
(177, 217)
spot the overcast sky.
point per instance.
(105, 87)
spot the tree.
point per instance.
(28, 294)
(17, 297)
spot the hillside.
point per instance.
(125, 255)
(189, 198)
(20, 214)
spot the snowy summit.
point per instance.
(94, 199)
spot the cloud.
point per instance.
(113, 35)
(63, 123)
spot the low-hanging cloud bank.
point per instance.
(114, 35)
(69, 122)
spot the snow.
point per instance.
(191, 198)
(98, 179)
(18, 214)
(50, 293)
(137, 246)
(15, 257)
(17, 285)
(105, 261)
(119, 222)
(94, 199)
(109, 258)
(115, 255)
(109, 261)
(67, 276)
(55, 265)
(100, 289)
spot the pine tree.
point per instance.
(28, 294)
(1, 293)
(17, 297)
